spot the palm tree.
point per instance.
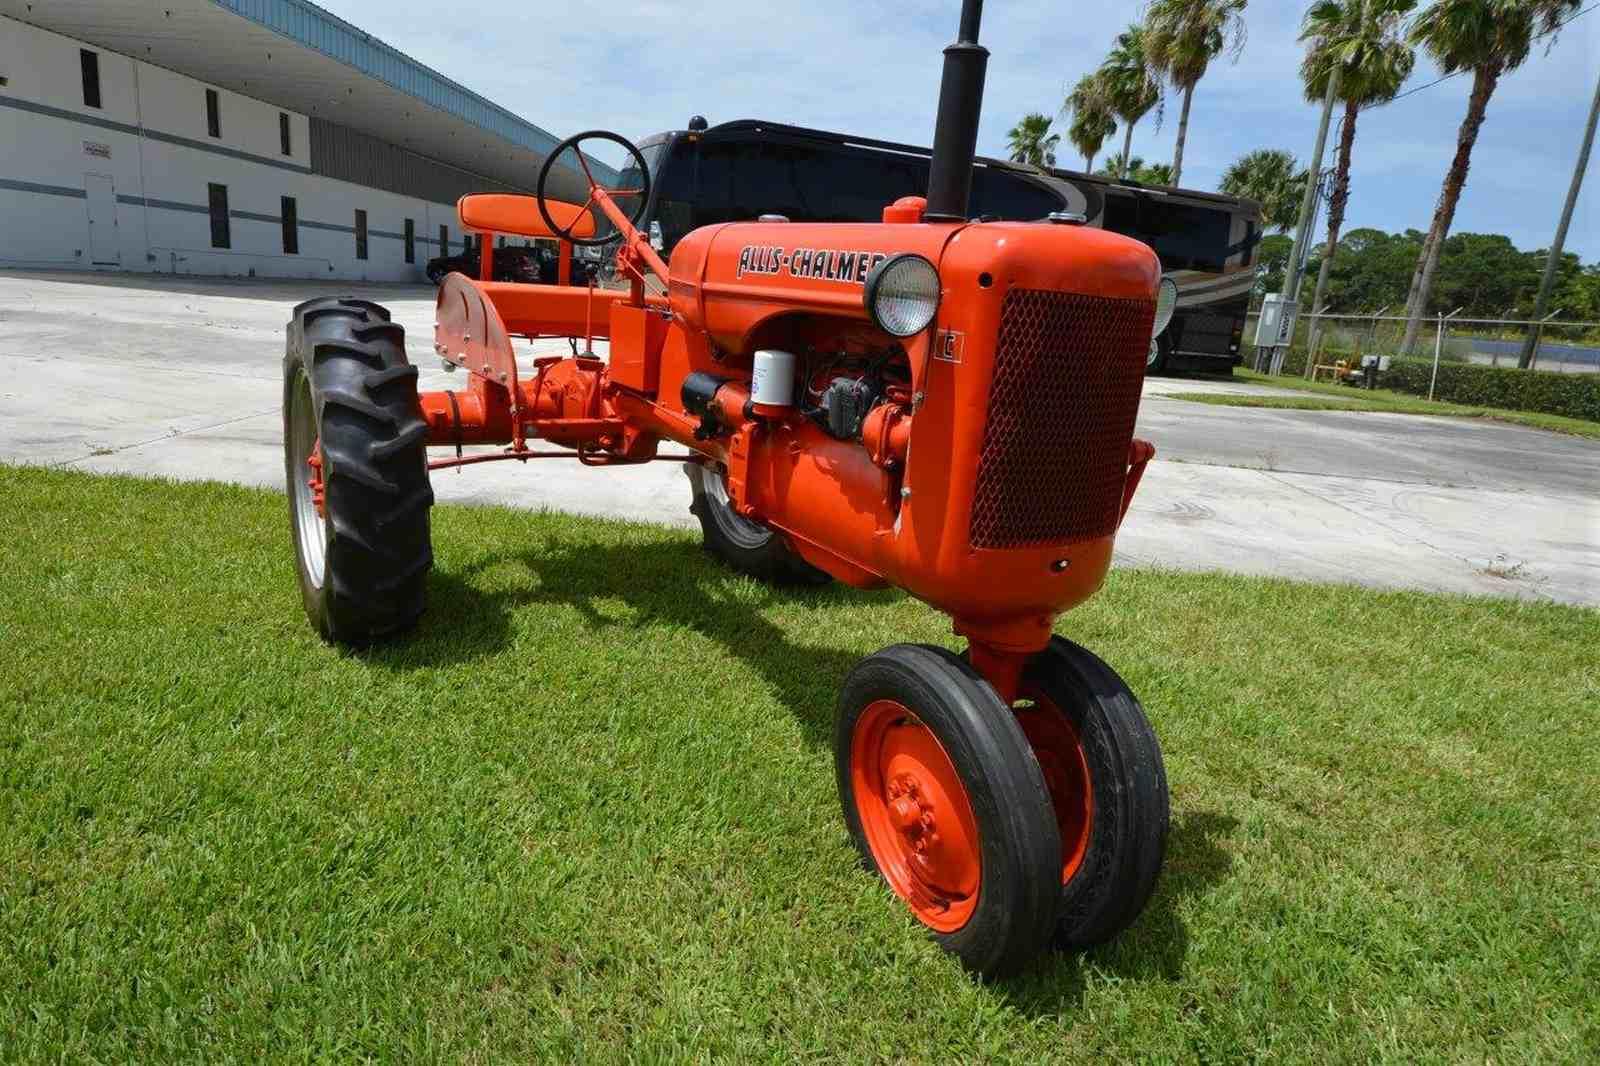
(1363, 39)
(1552, 256)
(1032, 142)
(1182, 37)
(1130, 88)
(1489, 38)
(1092, 119)
(1274, 179)
(1153, 174)
(1118, 165)
(1136, 169)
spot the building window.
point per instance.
(90, 64)
(444, 240)
(361, 234)
(283, 134)
(213, 113)
(220, 235)
(411, 241)
(289, 212)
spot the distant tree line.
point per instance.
(1482, 272)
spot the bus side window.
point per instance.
(996, 194)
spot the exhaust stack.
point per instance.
(955, 130)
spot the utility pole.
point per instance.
(1550, 264)
(1302, 231)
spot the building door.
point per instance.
(104, 247)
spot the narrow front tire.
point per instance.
(1102, 763)
(944, 800)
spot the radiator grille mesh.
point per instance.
(1067, 374)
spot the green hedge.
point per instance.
(1572, 395)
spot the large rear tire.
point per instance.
(1102, 764)
(944, 800)
(745, 546)
(355, 460)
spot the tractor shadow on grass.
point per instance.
(473, 613)
(1156, 947)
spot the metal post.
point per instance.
(1375, 316)
(1439, 343)
(1302, 231)
(1314, 341)
(1438, 346)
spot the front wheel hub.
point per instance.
(916, 815)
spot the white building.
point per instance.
(236, 137)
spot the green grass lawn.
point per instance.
(587, 811)
(1323, 396)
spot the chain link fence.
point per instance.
(1562, 347)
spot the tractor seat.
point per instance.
(508, 213)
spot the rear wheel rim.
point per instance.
(1058, 747)
(916, 815)
(306, 476)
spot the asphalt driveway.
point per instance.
(179, 377)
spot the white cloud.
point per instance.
(873, 69)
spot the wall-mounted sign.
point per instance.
(95, 148)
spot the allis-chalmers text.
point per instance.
(827, 264)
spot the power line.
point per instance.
(1455, 74)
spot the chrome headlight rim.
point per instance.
(1166, 305)
(891, 273)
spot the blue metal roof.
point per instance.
(307, 24)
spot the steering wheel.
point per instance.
(643, 192)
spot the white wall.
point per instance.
(161, 218)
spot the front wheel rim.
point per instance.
(306, 480)
(916, 815)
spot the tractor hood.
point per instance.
(731, 279)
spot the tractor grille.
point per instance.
(1067, 372)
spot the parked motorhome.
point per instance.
(741, 170)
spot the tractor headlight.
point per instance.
(902, 294)
(1166, 303)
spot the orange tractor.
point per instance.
(934, 403)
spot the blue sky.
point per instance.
(873, 69)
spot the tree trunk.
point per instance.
(1553, 259)
(1336, 206)
(1484, 80)
(1127, 151)
(1183, 133)
(1422, 258)
(1088, 163)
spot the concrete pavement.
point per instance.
(179, 377)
